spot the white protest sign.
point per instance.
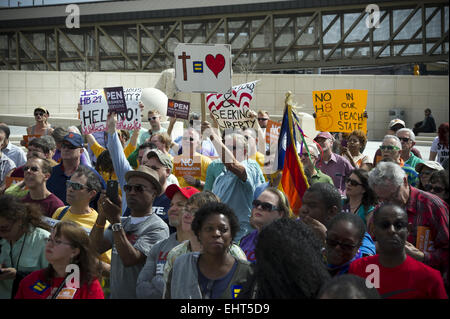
(231, 110)
(203, 67)
(94, 110)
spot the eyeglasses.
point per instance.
(32, 168)
(264, 205)
(389, 148)
(138, 188)
(76, 186)
(39, 114)
(57, 242)
(404, 139)
(436, 189)
(152, 118)
(334, 243)
(69, 146)
(352, 182)
(262, 119)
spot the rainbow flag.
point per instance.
(293, 180)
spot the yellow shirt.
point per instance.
(86, 221)
(259, 158)
(204, 163)
(97, 149)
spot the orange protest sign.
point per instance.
(28, 138)
(272, 132)
(423, 241)
(340, 110)
(12, 180)
(183, 166)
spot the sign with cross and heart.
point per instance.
(203, 68)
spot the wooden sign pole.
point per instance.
(203, 106)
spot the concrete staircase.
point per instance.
(425, 139)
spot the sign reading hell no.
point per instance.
(203, 68)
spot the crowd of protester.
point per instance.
(367, 229)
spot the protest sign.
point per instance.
(232, 109)
(178, 109)
(272, 132)
(340, 110)
(203, 67)
(95, 109)
(115, 99)
(28, 138)
(183, 166)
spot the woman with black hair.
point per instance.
(361, 199)
(68, 246)
(345, 234)
(212, 273)
(289, 263)
(439, 185)
(23, 236)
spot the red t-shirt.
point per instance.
(34, 286)
(49, 205)
(411, 280)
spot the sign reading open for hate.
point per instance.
(340, 110)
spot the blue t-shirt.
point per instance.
(56, 184)
(213, 289)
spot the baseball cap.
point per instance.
(145, 172)
(324, 135)
(74, 139)
(162, 157)
(430, 164)
(186, 191)
(41, 108)
(395, 122)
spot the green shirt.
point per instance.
(31, 259)
(413, 160)
(320, 178)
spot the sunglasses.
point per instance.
(39, 114)
(137, 188)
(352, 182)
(188, 138)
(76, 186)
(436, 189)
(404, 139)
(264, 206)
(69, 146)
(262, 119)
(152, 118)
(389, 148)
(32, 168)
(334, 243)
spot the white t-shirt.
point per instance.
(440, 149)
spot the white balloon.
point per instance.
(154, 99)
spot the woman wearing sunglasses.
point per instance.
(345, 234)
(23, 236)
(42, 127)
(438, 185)
(361, 199)
(271, 205)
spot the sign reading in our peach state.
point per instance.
(340, 110)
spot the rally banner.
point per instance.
(340, 110)
(95, 110)
(232, 109)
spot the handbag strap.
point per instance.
(63, 212)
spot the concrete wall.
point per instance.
(21, 91)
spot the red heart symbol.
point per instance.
(215, 64)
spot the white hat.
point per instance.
(430, 164)
(313, 149)
(395, 122)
